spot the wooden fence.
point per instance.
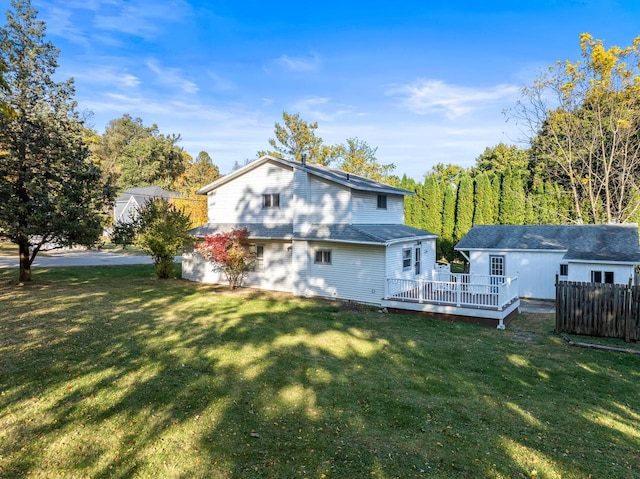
(595, 309)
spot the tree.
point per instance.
(132, 154)
(228, 253)
(433, 201)
(445, 245)
(585, 120)
(483, 205)
(51, 193)
(464, 207)
(160, 230)
(512, 199)
(198, 173)
(356, 156)
(500, 157)
(297, 137)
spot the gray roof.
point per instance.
(256, 230)
(144, 193)
(373, 234)
(335, 175)
(579, 242)
(340, 233)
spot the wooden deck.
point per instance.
(482, 297)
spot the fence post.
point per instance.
(627, 313)
(558, 298)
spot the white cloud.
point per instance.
(436, 96)
(319, 108)
(299, 64)
(142, 18)
(107, 75)
(172, 77)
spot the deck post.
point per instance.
(420, 291)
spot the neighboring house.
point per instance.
(129, 202)
(316, 231)
(536, 254)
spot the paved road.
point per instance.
(80, 258)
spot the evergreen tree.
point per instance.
(51, 193)
(448, 222)
(433, 204)
(496, 191)
(464, 207)
(512, 200)
(483, 211)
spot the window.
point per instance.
(406, 258)
(598, 276)
(496, 265)
(382, 202)
(271, 200)
(564, 270)
(418, 252)
(258, 264)
(323, 256)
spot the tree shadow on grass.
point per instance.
(106, 375)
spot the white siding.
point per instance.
(195, 268)
(582, 271)
(276, 275)
(329, 203)
(356, 272)
(394, 260)
(240, 200)
(366, 211)
(536, 270)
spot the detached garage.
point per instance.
(537, 253)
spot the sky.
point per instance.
(424, 82)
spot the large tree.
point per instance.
(132, 154)
(356, 156)
(585, 119)
(51, 194)
(297, 137)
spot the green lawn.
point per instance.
(106, 372)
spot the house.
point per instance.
(129, 202)
(318, 231)
(536, 254)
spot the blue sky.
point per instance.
(424, 81)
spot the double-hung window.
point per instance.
(382, 202)
(271, 200)
(564, 270)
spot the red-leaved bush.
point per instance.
(229, 254)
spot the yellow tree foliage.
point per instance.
(584, 117)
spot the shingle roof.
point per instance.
(341, 233)
(350, 180)
(375, 234)
(580, 242)
(143, 193)
(256, 230)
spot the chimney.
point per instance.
(304, 159)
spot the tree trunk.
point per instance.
(25, 260)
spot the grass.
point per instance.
(108, 372)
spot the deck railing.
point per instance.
(467, 290)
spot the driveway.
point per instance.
(80, 258)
